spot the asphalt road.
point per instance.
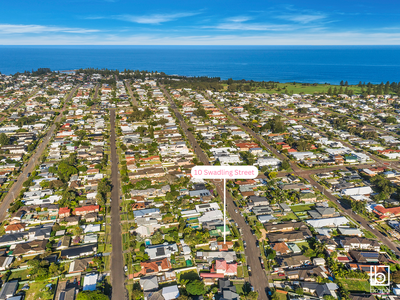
(306, 175)
(360, 220)
(117, 261)
(378, 160)
(17, 186)
(128, 85)
(19, 103)
(96, 92)
(257, 276)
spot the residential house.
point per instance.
(292, 261)
(284, 226)
(82, 211)
(293, 236)
(154, 267)
(30, 248)
(170, 292)
(64, 212)
(8, 290)
(228, 256)
(328, 222)
(149, 283)
(320, 290)
(79, 251)
(222, 267)
(156, 252)
(359, 243)
(280, 248)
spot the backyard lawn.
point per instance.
(240, 271)
(281, 296)
(356, 285)
(289, 217)
(304, 207)
(239, 288)
(21, 275)
(178, 262)
(38, 290)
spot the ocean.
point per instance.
(313, 64)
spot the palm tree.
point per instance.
(184, 282)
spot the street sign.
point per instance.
(224, 172)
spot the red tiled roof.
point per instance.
(247, 145)
(15, 227)
(248, 181)
(211, 275)
(387, 211)
(63, 210)
(88, 208)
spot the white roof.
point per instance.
(90, 238)
(362, 190)
(350, 231)
(89, 282)
(91, 228)
(211, 216)
(328, 222)
(170, 292)
(60, 232)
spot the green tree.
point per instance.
(136, 292)
(395, 276)
(196, 288)
(252, 296)
(91, 295)
(103, 188)
(272, 174)
(157, 238)
(53, 269)
(4, 139)
(285, 165)
(65, 170)
(390, 120)
(77, 230)
(299, 291)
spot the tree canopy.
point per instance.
(196, 288)
(4, 139)
(91, 295)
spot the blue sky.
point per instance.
(216, 22)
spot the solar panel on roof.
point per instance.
(160, 251)
(370, 254)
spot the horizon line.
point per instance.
(208, 45)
